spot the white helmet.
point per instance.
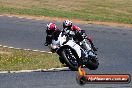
(67, 24)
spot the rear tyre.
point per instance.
(92, 63)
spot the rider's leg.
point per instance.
(85, 45)
(48, 40)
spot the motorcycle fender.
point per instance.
(74, 46)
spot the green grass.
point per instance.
(11, 59)
(89, 10)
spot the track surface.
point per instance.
(115, 53)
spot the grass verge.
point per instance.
(90, 10)
(11, 59)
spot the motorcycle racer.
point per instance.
(71, 46)
(79, 35)
(52, 33)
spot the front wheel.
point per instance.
(61, 60)
(71, 59)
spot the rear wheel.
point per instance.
(92, 63)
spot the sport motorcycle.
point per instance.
(72, 54)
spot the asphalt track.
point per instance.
(115, 53)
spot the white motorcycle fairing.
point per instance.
(71, 43)
(74, 46)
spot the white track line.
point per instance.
(38, 70)
(5, 46)
(17, 48)
(10, 47)
(35, 50)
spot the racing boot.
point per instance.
(94, 48)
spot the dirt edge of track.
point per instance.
(73, 20)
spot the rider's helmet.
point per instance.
(67, 24)
(51, 28)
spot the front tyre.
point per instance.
(61, 60)
(71, 59)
